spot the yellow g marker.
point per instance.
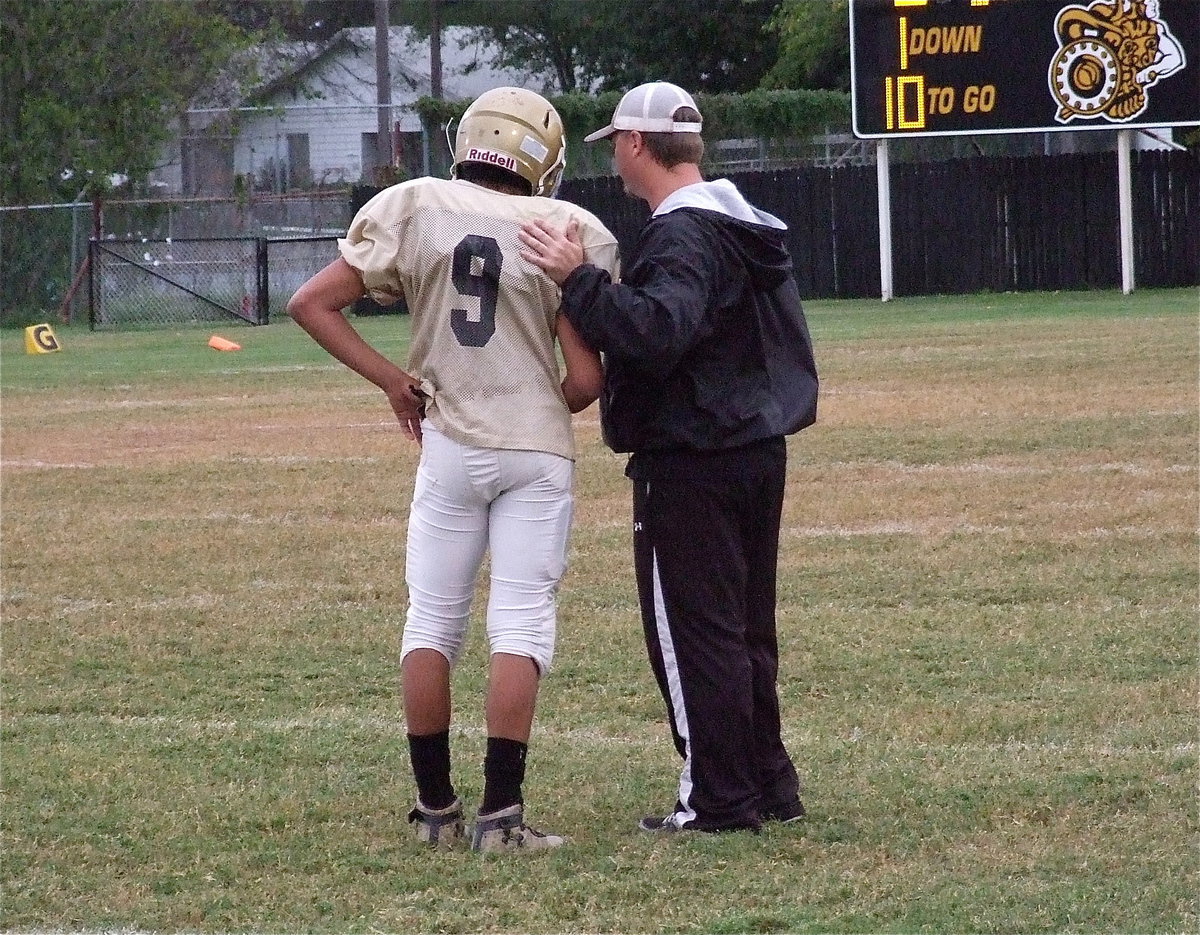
(40, 339)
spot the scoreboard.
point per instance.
(945, 67)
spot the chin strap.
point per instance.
(559, 164)
(450, 147)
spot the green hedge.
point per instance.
(770, 114)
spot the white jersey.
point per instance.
(482, 317)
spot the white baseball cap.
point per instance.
(650, 108)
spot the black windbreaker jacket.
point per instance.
(705, 343)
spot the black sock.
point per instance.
(430, 755)
(503, 774)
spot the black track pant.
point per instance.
(706, 544)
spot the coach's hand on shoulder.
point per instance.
(557, 253)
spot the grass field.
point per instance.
(988, 623)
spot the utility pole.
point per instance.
(383, 92)
(435, 50)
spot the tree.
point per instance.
(89, 88)
(535, 35)
(716, 46)
(301, 20)
(814, 45)
(88, 91)
(720, 46)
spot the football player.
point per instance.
(483, 395)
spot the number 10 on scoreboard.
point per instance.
(904, 102)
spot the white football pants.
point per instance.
(467, 500)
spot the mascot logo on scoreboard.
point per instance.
(1110, 53)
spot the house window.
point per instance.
(299, 166)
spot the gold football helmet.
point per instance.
(516, 130)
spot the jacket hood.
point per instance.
(721, 196)
(755, 235)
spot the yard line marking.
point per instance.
(70, 606)
(45, 465)
(299, 459)
(654, 733)
(291, 519)
(280, 368)
(386, 725)
(951, 527)
(1108, 467)
(89, 404)
(979, 467)
(306, 426)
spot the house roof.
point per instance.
(287, 71)
(250, 73)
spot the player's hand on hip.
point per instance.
(556, 252)
(408, 403)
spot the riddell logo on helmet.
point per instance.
(496, 159)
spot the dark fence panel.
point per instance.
(1004, 224)
(802, 200)
(1166, 195)
(989, 224)
(40, 255)
(856, 226)
(830, 213)
(942, 230)
(605, 197)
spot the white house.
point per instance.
(314, 121)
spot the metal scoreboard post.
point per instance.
(946, 67)
(956, 67)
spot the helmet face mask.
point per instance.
(517, 130)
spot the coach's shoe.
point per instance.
(785, 813)
(439, 827)
(505, 830)
(678, 822)
(661, 824)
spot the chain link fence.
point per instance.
(173, 282)
(42, 254)
(44, 249)
(151, 283)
